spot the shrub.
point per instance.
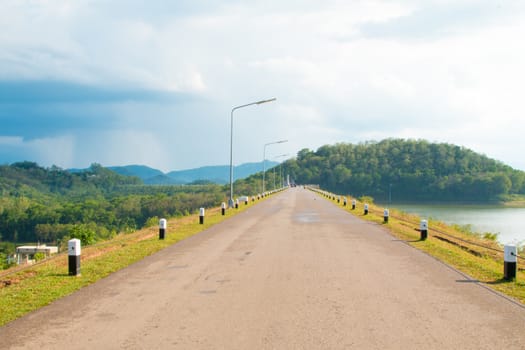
(153, 221)
(39, 256)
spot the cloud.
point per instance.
(162, 77)
(49, 92)
(432, 20)
(33, 109)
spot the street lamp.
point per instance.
(230, 202)
(264, 157)
(281, 168)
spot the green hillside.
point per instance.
(51, 205)
(407, 170)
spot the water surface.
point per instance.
(509, 223)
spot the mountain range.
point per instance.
(219, 174)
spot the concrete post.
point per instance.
(423, 228)
(353, 204)
(73, 249)
(163, 224)
(510, 262)
(201, 216)
(386, 214)
(366, 209)
(223, 208)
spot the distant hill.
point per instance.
(407, 170)
(141, 171)
(219, 174)
(161, 179)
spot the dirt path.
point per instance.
(294, 272)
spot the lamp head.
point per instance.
(265, 101)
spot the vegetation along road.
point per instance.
(293, 272)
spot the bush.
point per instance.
(366, 199)
(153, 221)
(39, 256)
(490, 236)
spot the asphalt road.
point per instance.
(293, 272)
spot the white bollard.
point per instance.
(423, 228)
(223, 208)
(73, 250)
(366, 209)
(163, 224)
(510, 262)
(353, 204)
(201, 216)
(237, 203)
(386, 214)
(344, 201)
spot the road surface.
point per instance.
(293, 272)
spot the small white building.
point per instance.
(26, 254)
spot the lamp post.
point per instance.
(264, 157)
(281, 168)
(230, 202)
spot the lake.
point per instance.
(509, 223)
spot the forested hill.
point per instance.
(25, 178)
(409, 170)
(51, 205)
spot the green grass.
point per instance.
(40, 285)
(487, 268)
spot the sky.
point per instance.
(154, 82)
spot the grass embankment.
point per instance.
(479, 258)
(27, 290)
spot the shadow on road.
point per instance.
(500, 281)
